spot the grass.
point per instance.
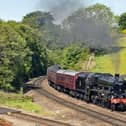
(21, 102)
(112, 63)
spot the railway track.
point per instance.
(4, 110)
(84, 110)
(38, 120)
(123, 113)
(116, 121)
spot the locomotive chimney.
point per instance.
(117, 76)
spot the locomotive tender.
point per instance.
(99, 88)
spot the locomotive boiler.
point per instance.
(102, 89)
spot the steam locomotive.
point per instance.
(102, 89)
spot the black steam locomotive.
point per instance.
(99, 88)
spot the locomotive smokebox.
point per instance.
(117, 76)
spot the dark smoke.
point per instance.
(85, 29)
(95, 34)
(61, 9)
(88, 31)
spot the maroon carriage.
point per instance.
(67, 78)
(51, 74)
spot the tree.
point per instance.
(22, 54)
(38, 19)
(13, 52)
(91, 26)
(36, 44)
(100, 12)
(43, 21)
(97, 13)
(122, 21)
(72, 55)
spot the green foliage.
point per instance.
(36, 45)
(72, 55)
(20, 102)
(22, 54)
(122, 21)
(43, 22)
(69, 56)
(13, 52)
(38, 19)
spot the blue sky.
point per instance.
(117, 6)
(16, 9)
